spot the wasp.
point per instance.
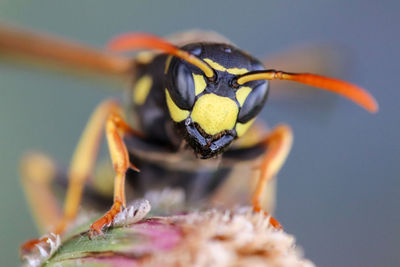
(189, 115)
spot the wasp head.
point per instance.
(211, 113)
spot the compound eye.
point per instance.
(182, 89)
(253, 103)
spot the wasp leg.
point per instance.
(38, 173)
(258, 154)
(42, 179)
(84, 159)
(278, 143)
(116, 128)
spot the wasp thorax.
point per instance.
(212, 113)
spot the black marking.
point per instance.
(181, 85)
(197, 184)
(241, 154)
(254, 102)
(152, 116)
(236, 59)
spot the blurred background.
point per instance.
(339, 192)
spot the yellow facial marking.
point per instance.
(145, 57)
(175, 112)
(142, 89)
(241, 128)
(237, 71)
(214, 65)
(234, 71)
(199, 83)
(215, 113)
(167, 63)
(242, 94)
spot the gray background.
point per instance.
(339, 190)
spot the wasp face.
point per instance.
(211, 114)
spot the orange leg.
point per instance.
(83, 162)
(278, 142)
(84, 159)
(38, 173)
(115, 129)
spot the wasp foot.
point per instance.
(105, 221)
(120, 216)
(273, 222)
(36, 251)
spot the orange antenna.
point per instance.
(132, 41)
(356, 94)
